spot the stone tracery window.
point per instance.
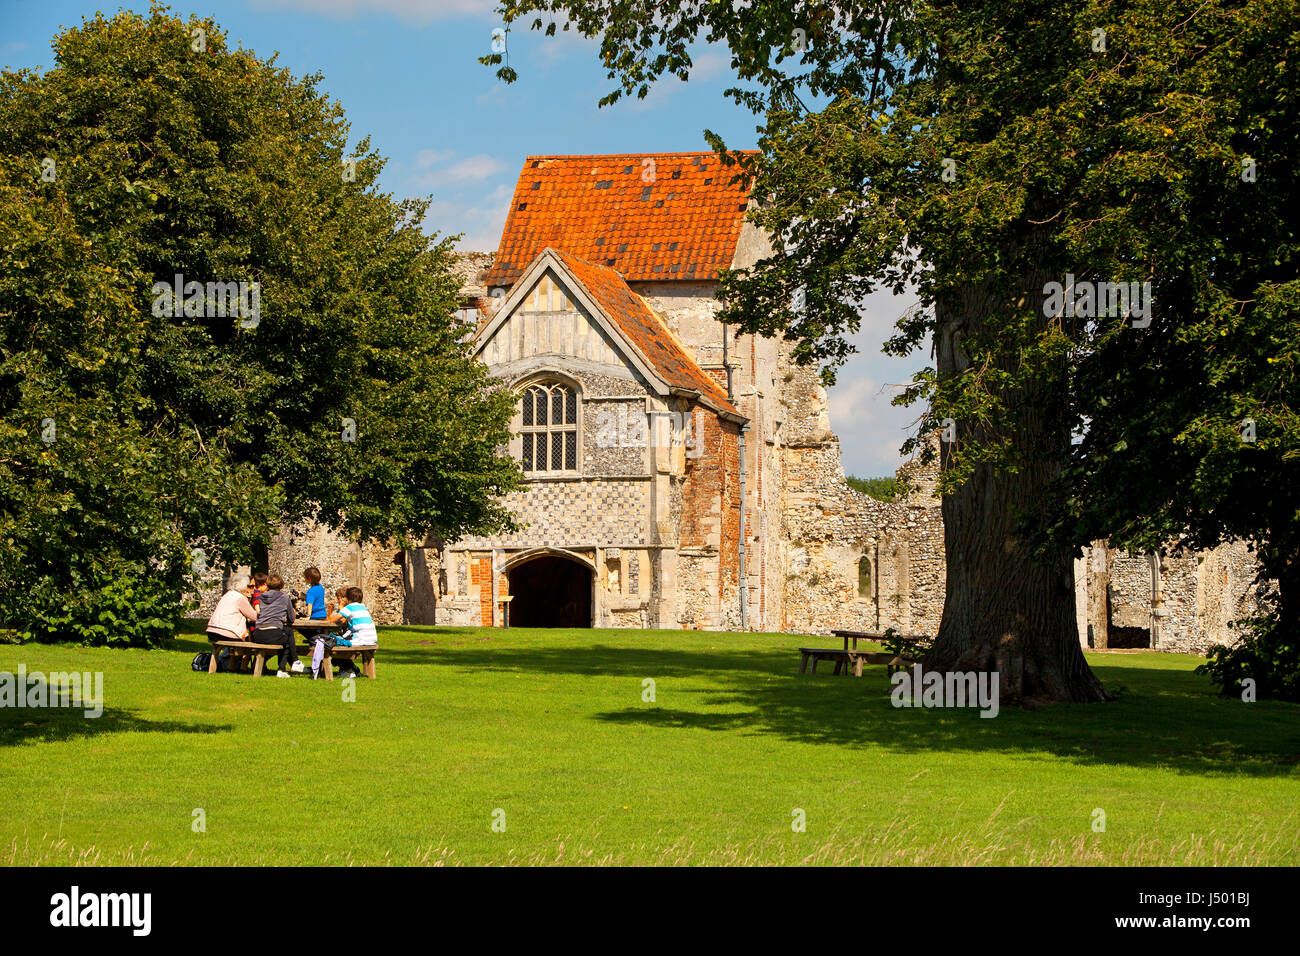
(549, 429)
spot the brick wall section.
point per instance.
(729, 453)
(480, 576)
(710, 526)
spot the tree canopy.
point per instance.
(142, 436)
(980, 154)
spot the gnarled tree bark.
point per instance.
(1007, 608)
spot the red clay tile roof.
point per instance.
(682, 225)
(645, 329)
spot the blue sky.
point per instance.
(406, 72)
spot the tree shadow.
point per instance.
(59, 724)
(1163, 718)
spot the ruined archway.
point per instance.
(550, 590)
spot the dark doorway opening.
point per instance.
(550, 592)
(1128, 637)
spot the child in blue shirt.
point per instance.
(315, 596)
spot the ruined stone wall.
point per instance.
(214, 582)
(293, 549)
(665, 538)
(831, 528)
(472, 268)
(1189, 604)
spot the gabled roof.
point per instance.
(645, 329)
(626, 317)
(651, 216)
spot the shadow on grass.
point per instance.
(54, 725)
(1164, 718)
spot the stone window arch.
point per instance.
(548, 429)
(864, 577)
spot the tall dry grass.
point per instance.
(893, 844)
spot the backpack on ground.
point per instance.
(201, 661)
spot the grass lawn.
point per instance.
(549, 727)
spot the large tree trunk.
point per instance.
(1006, 608)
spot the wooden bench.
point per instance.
(844, 659)
(240, 651)
(366, 653)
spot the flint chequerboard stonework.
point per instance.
(681, 476)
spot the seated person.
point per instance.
(275, 617)
(344, 635)
(327, 642)
(360, 625)
(232, 615)
(314, 599)
(259, 587)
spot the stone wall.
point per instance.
(831, 528)
(1180, 601)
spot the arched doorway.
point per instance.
(550, 591)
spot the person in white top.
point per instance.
(232, 615)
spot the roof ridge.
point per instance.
(677, 152)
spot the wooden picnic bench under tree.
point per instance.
(901, 651)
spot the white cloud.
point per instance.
(481, 224)
(471, 169)
(562, 44)
(431, 157)
(871, 430)
(705, 66)
(658, 97)
(418, 12)
(710, 64)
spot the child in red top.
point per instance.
(259, 587)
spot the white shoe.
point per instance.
(296, 667)
(281, 673)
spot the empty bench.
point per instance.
(242, 651)
(844, 659)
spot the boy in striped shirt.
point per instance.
(360, 625)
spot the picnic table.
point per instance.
(847, 656)
(243, 651)
(907, 640)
